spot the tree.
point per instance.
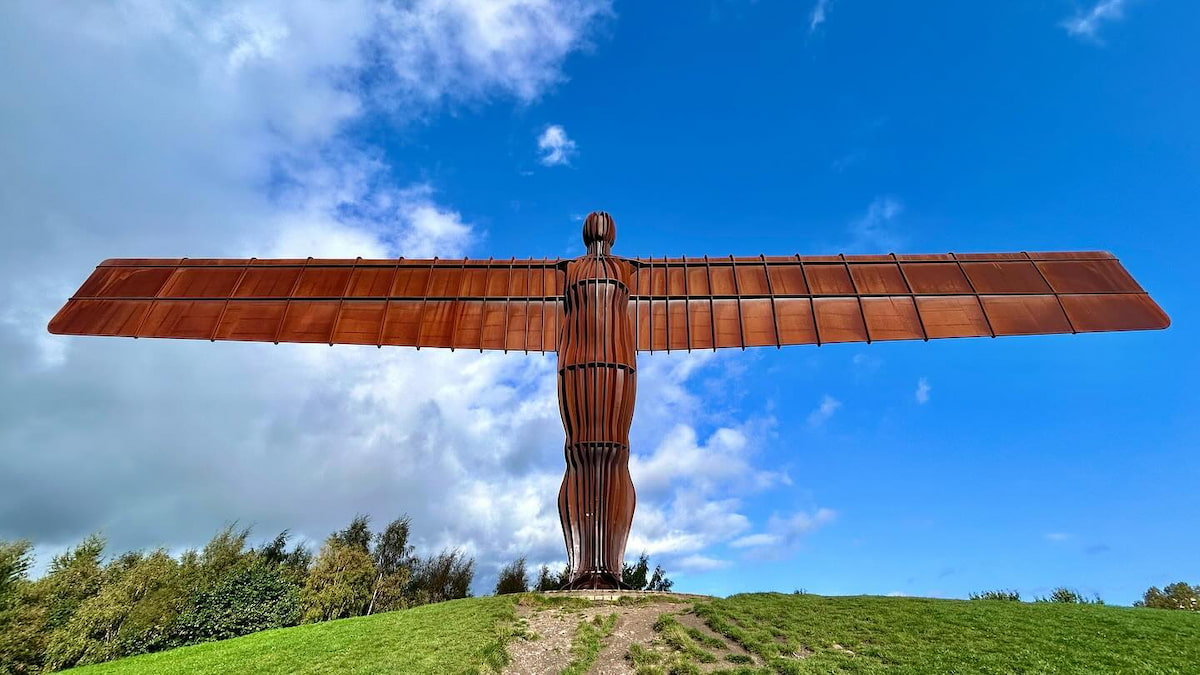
(1178, 595)
(634, 576)
(15, 560)
(547, 580)
(659, 581)
(357, 534)
(393, 557)
(339, 584)
(137, 601)
(445, 576)
(22, 617)
(512, 578)
(292, 565)
(73, 577)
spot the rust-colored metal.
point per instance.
(597, 311)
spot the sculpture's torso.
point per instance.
(597, 381)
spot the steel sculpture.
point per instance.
(597, 311)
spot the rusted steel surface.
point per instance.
(460, 304)
(597, 311)
(597, 381)
(709, 303)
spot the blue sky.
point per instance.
(737, 129)
(722, 127)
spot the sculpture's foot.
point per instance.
(595, 581)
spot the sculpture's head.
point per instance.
(599, 233)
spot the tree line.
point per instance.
(1178, 596)
(514, 578)
(86, 609)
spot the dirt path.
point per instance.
(554, 628)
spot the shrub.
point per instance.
(1006, 596)
(254, 598)
(635, 576)
(1070, 596)
(512, 578)
(1174, 596)
(445, 576)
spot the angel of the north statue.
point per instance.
(597, 312)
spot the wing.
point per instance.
(465, 304)
(706, 303)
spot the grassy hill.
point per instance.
(758, 633)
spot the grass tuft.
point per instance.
(589, 640)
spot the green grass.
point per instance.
(814, 634)
(788, 633)
(589, 640)
(460, 636)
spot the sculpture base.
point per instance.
(607, 581)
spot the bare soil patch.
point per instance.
(551, 629)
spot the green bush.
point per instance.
(512, 578)
(1006, 596)
(254, 598)
(1070, 596)
(1174, 596)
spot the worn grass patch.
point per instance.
(589, 640)
(460, 636)
(814, 634)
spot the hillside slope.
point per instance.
(759, 633)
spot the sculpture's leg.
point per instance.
(597, 499)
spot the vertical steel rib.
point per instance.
(142, 323)
(978, 298)
(387, 304)
(341, 301)
(288, 305)
(1052, 290)
(225, 307)
(912, 297)
(425, 302)
(771, 293)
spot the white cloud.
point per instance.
(138, 127)
(178, 128)
(817, 17)
(1086, 23)
(700, 563)
(874, 231)
(785, 533)
(922, 393)
(556, 147)
(751, 540)
(1057, 536)
(824, 411)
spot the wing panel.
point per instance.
(358, 323)
(892, 318)
(1113, 312)
(1025, 315)
(100, 317)
(251, 320)
(780, 300)
(758, 323)
(426, 303)
(952, 316)
(878, 279)
(839, 320)
(195, 319)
